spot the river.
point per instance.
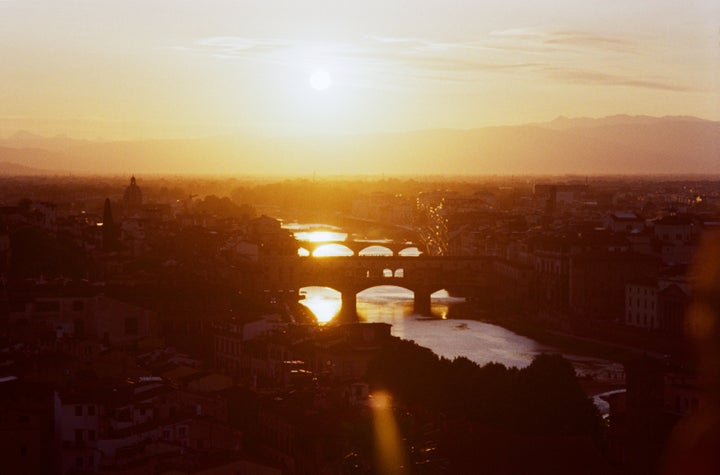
(448, 337)
(476, 340)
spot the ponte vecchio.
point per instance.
(349, 275)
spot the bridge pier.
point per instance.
(421, 302)
(348, 309)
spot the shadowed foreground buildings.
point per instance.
(167, 346)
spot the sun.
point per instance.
(320, 80)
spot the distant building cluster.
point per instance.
(607, 255)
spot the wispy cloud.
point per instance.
(560, 55)
(533, 39)
(235, 46)
(577, 76)
(589, 40)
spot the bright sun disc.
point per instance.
(320, 80)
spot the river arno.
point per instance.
(447, 337)
(478, 341)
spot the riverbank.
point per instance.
(526, 327)
(566, 343)
(615, 344)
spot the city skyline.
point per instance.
(127, 70)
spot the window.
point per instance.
(90, 461)
(78, 410)
(91, 435)
(91, 410)
(78, 305)
(78, 461)
(78, 436)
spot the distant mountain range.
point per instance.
(612, 145)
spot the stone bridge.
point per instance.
(423, 275)
(358, 246)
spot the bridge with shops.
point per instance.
(358, 247)
(423, 275)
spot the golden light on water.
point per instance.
(320, 236)
(330, 250)
(376, 250)
(325, 303)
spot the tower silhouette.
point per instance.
(109, 231)
(132, 199)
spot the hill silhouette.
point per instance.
(613, 145)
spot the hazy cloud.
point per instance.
(536, 38)
(544, 54)
(598, 78)
(588, 40)
(237, 46)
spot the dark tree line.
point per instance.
(506, 420)
(543, 398)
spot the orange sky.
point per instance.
(174, 68)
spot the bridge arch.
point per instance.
(421, 296)
(333, 301)
(332, 250)
(423, 275)
(376, 250)
(324, 302)
(364, 248)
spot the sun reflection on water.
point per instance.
(377, 304)
(320, 236)
(331, 250)
(374, 304)
(323, 302)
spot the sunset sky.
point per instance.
(174, 68)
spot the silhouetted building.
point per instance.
(110, 230)
(641, 306)
(598, 279)
(624, 223)
(673, 305)
(675, 229)
(132, 199)
(642, 418)
(4, 250)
